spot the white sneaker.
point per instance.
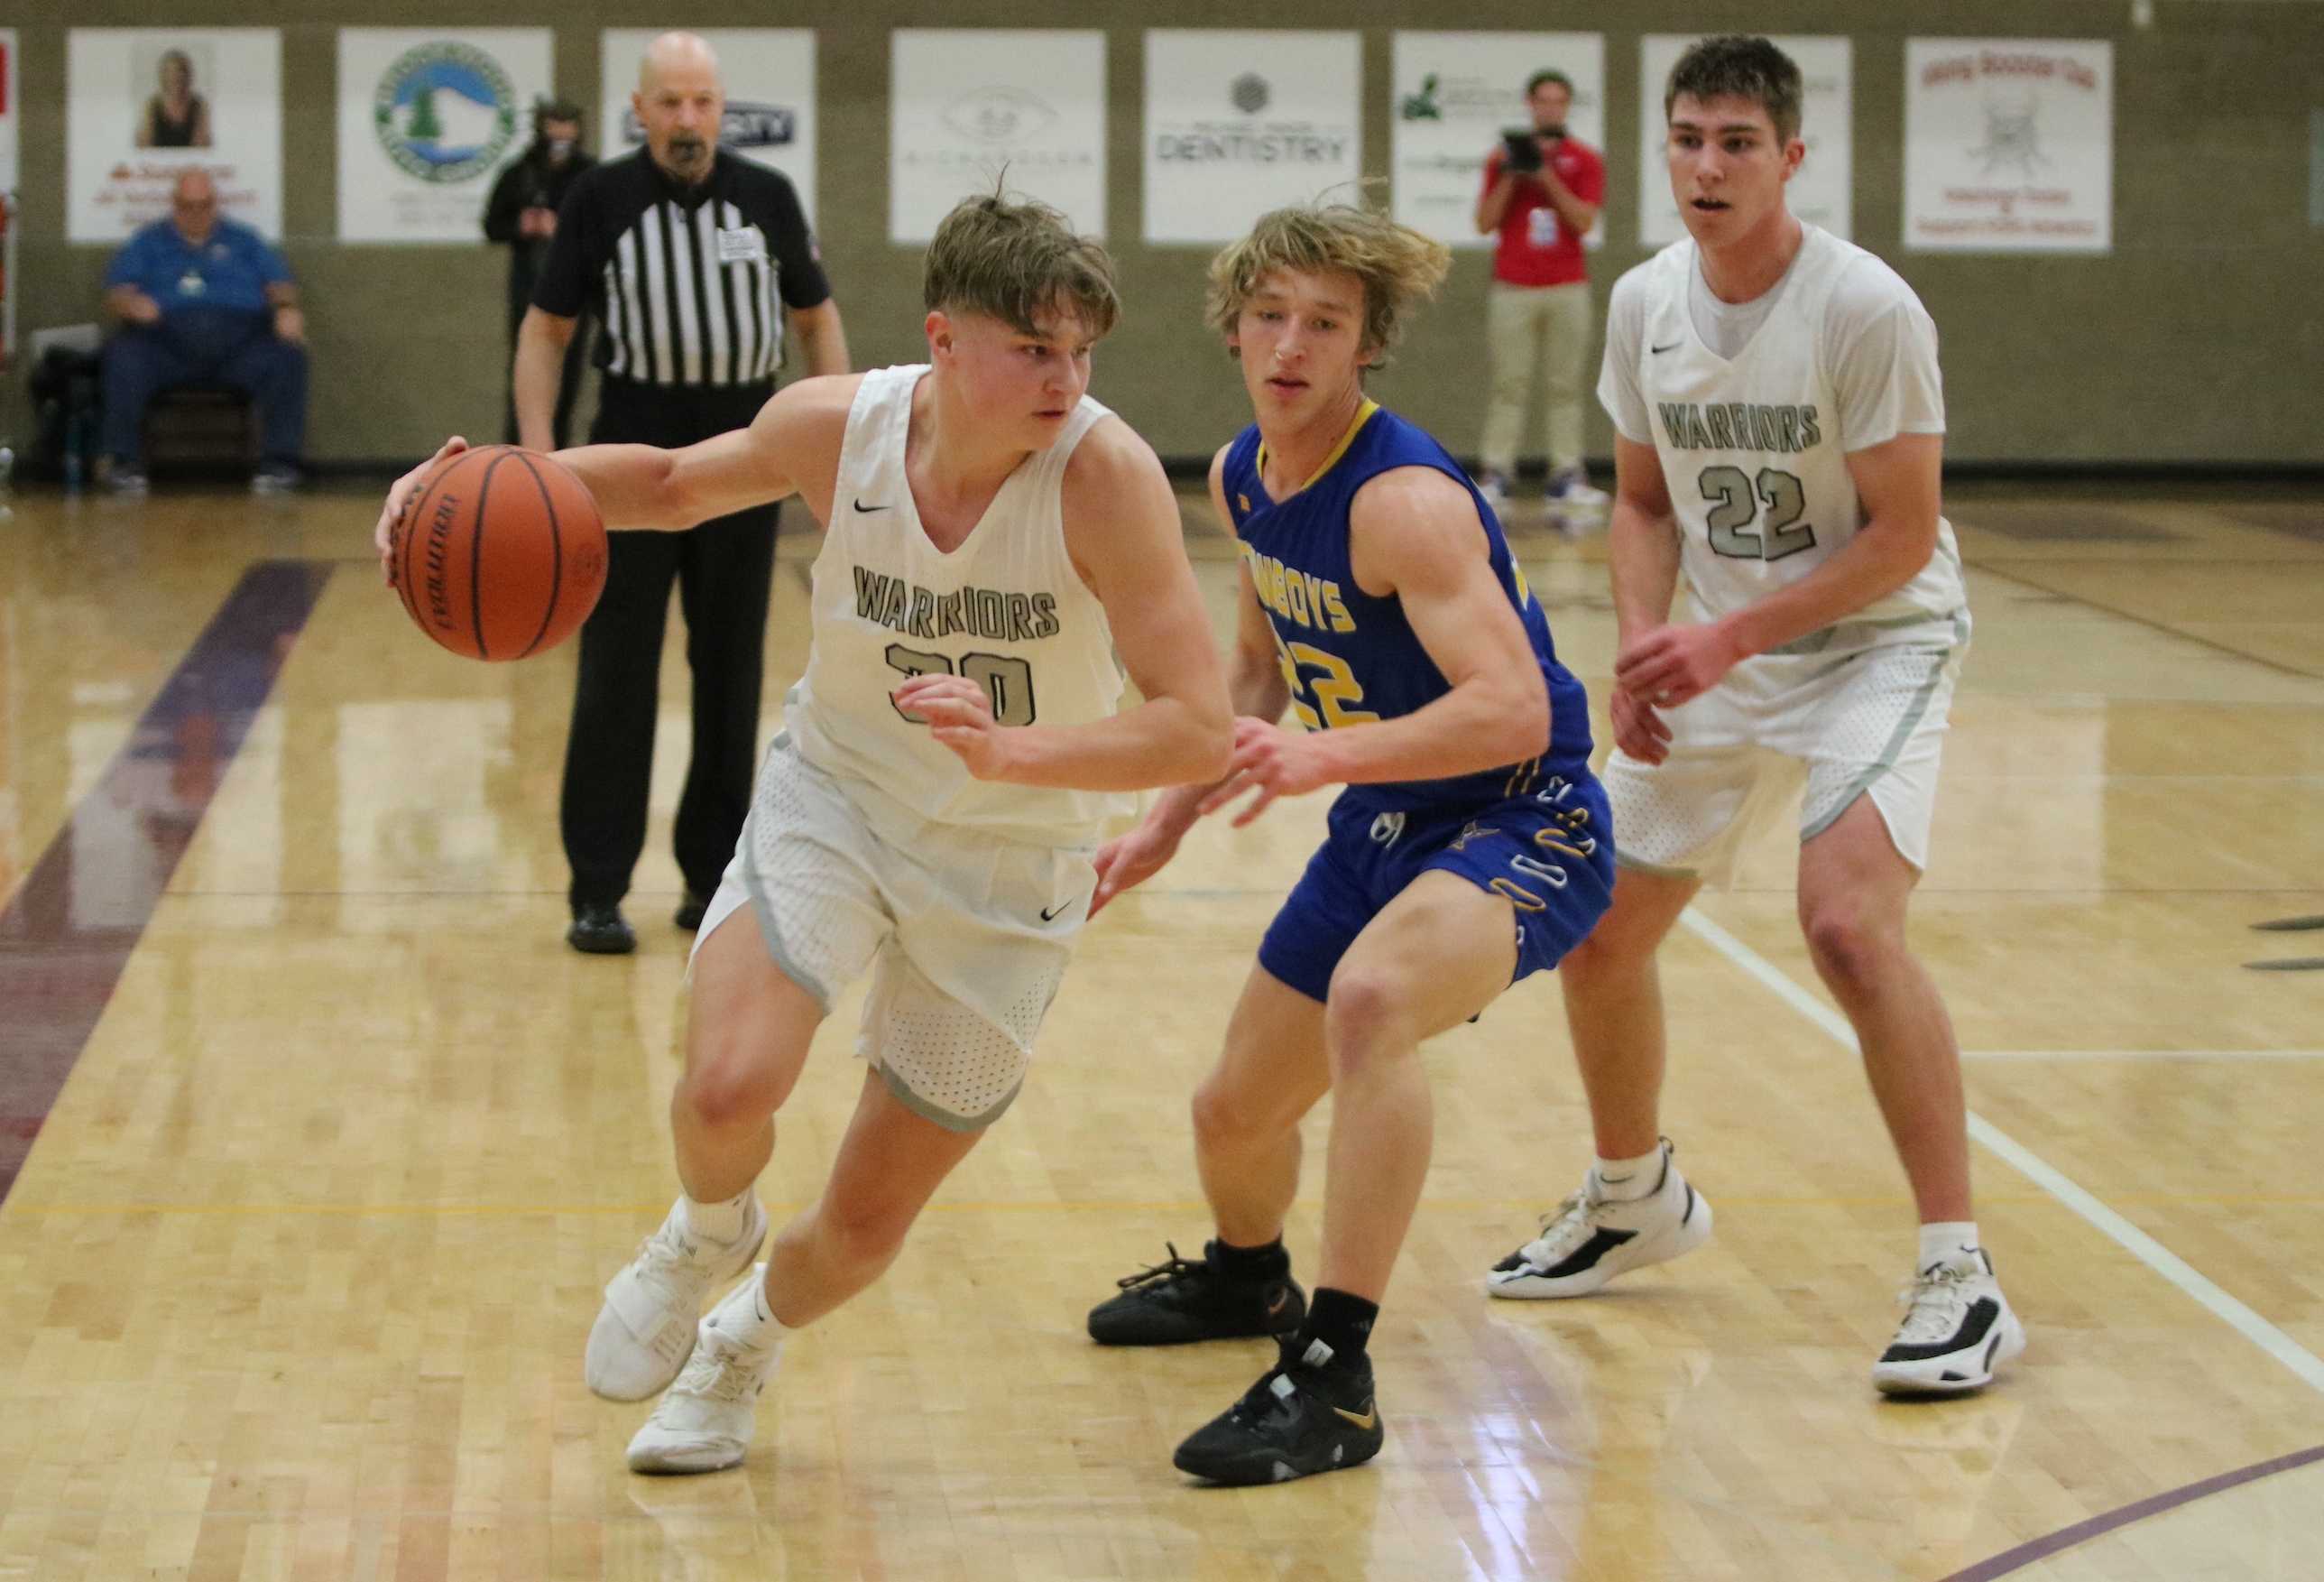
(645, 1329)
(1570, 490)
(1588, 1240)
(704, 1423)
(1958, 1330)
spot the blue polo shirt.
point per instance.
(230, 271)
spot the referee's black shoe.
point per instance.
(1309, 1413)
(1179, 1300)
(599, 929)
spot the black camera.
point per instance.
(1520, 152)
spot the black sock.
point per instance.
(1269, 1262)
(1340, 1320)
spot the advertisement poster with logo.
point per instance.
(965, 105)
(426, 121)
(8, 114)
(1456, 94)
(142, 104)
(1241, 122)
(1822, 191)
(770, 77)
(2010, 146)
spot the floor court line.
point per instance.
(2302, 1363)
(2040, 1549)
(58, 970)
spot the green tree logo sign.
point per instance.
(445, 112)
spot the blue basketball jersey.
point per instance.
(1350, 658)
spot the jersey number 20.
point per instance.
(1008, 682)
(1734, 507)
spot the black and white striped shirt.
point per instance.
(688, 282)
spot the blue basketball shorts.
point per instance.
(1550, 853)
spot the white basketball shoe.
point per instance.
(703, 1423)
(1588, 1240)
(1958, 1330)
(645, 1329)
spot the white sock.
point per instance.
(1943, 1238)
(1625, 1181)
(721, 1223)
(761, 1327)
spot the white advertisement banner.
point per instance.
(427, 119)
(1456, 94)
(1822, 192)
(7, 110)
(2010, 146)
(1241, 122)
(966, 105)
(142, 104)
(770, 77)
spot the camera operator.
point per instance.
(1543, 190)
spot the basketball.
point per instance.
(501, 554)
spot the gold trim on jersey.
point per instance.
(1363, 415)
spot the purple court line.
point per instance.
(2066, 1538)
(69, 930)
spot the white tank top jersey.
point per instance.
(1755, 444)
(1006, 609)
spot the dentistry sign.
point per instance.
(1237, 124)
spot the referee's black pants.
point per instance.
(722, 569)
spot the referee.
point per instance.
(684, 253)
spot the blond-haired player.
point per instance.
(1381, 604)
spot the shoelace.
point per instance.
(1162, 1273)
(1563, 1228)
(1935, 1302)
(719, 1371)
(660, 1257)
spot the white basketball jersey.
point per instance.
(1006, 609)
(1752, 447)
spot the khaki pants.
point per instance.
(1529, 328)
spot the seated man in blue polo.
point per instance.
(203, 300)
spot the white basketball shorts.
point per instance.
(1822, 728)
(966, 936)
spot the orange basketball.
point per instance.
(501, 554)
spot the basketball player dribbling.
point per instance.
(1381, 604)
(992, 539)
(1779, 429)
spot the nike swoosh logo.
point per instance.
(1282, 1300)
(1656, 350)
(1367, 1421)
(1053, 914)
(860, 505)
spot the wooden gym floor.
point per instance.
(316, 1143)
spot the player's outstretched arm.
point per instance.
(792, 446)
(1123, 532)
(1256, 689)
(1415, 534)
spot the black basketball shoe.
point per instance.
(1309, 1413)
(1177, 1302)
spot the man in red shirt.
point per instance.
(1542, 194)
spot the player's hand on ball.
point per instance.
(1271, 762)
(1675, 665)
(1133, 857)
(1639, 730)
(958, 714)
(399, 498)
